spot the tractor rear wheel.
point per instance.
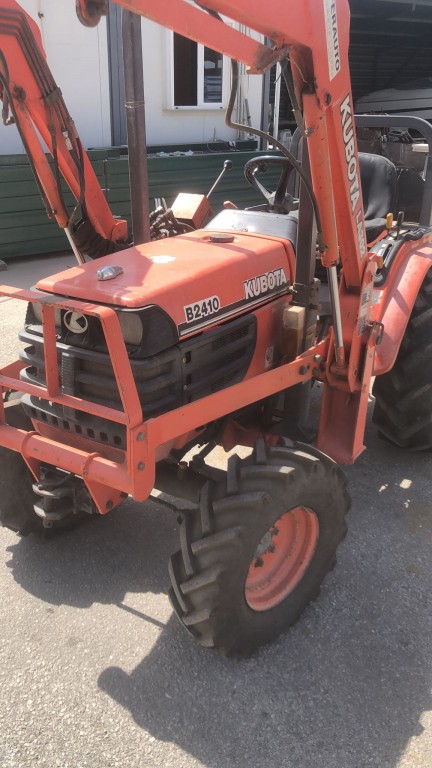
(403, 408)
(256, 552)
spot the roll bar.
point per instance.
(425, 129)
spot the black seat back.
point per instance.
(379, 185)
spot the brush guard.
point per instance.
(109, 482)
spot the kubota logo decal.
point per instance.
(266, 283)
(353, 170)
(75, 322)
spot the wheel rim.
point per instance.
(282, 558)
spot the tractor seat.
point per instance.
(379, 186)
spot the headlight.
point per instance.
(146, 331)
(132, 327)
(149, 330)
(36, 310)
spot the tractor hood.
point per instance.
(196, 278)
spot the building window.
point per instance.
(197, 75)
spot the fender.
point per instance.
(396, 300)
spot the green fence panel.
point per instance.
(25, 229)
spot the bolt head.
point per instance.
(140, 437)
(141, 466)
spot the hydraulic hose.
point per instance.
(266, 136)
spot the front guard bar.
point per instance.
(109, 481)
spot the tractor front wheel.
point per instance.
(256, 552)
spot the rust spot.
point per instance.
(266, 57)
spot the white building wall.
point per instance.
(10, 142)
(78, 58)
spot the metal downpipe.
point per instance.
(136, 129)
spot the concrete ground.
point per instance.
(95, 670)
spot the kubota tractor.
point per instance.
(215, 336)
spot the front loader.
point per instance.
(142, 359)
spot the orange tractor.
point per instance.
(215, 336)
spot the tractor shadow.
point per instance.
(348, 685)
(100, 560)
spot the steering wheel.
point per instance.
(279, 201)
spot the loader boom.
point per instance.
(316, 37)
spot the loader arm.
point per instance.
(32, 100)
(316, 36)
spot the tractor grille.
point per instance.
(188, 371)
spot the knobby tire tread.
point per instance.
(215, 612)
